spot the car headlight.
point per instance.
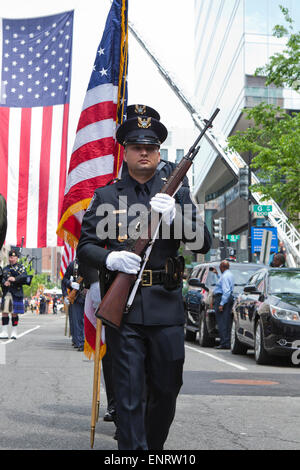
(284, 314)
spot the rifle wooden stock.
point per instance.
(113, 304)
(73, 293)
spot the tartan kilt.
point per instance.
(17, 305)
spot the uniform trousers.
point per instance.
(147, 377)
(223, 319)
(107, 374)
(76, 312)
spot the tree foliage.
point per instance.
(37, 280)
(274, 144)
(283, 67)
(273, 136)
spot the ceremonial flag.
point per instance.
(67, 255)
(35, 55)
(97, 157)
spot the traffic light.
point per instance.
(244, 182)
(218, 229)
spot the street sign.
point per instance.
(257, 236)
(233, 238)
(262, 210)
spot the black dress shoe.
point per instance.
(108, 416)
(222, 347)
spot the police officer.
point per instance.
(76, 310)
(14, 277)
(148, 349)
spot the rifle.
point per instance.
(115, 302)
(74, 292)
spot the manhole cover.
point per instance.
(245, 382)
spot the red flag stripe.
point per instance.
(63, 165)
(4, 135)
(87, 187)
(44, 175)
(23, 174)
(92, 150)
(97, 112)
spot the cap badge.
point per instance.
(144, 123)
(140, 109)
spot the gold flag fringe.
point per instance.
(89, 352)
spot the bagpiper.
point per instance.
(14, 277)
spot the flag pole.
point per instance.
(96, 385)
(98, 391)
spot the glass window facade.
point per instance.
(232, 39)
(164, 154)
(179, 155)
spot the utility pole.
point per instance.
(244, 184)
(249, 218)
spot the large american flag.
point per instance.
(35, 56)
(97, 157)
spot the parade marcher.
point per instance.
(148, 348)
(14, 277)
(223, 301)
(42, 304)
(76, 309)
(54, 305)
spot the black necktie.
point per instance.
(142, 194)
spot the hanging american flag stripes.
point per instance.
(67, 255)
(97, 157)
(35, 56)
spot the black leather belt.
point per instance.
(151, 277)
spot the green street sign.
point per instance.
(233, 238)
(263, 210)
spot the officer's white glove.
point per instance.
(165, 205)
(75, 285)
(66, 300)
(123, 261)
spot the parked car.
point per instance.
(266, 315)
(199, 313)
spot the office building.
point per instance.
(232, 39)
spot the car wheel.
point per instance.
(260, 353)
(204, 339)
(189, 335)
(235, 345)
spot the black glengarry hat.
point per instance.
(13, 253)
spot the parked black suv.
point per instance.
(199, 313)
(267, 315)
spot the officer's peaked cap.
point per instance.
(141, 128)
(135, 110)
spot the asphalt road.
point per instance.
(226, 403)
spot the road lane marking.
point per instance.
(217, 358)
(245, 382)
(22, 334)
